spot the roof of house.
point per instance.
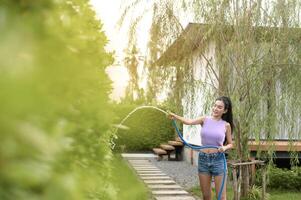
(195, 35)
(188, 40)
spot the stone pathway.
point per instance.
(161, 185)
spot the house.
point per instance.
(197, 48)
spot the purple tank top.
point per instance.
(213, 132)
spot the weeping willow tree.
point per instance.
(131, 62)
(159, 40)
(256, 61)
(55, 117)
(258, 57)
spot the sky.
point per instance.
(109, 12)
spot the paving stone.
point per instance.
(161, 185)
(142, 165)
(138, 155)
(139, 161)
(153, 174)
(148, 172)
(174, 198)
(135, 163)
(164, 187)
(169, 192)
(159, 182)
(146, 168)
(156, 178)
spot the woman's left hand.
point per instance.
(222, 149)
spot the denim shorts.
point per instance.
(211, 163)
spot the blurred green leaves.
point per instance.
(54, 119)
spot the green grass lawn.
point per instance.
(128, 185)
(197, 191)
(284, 195)
(273, 194)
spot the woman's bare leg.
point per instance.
(218, 182)
(205, 183)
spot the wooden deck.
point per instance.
(276, 145)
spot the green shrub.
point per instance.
(148, 128)
(282, 179)
(255, 193)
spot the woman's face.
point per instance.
(218, 109)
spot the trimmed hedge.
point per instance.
(148, 128)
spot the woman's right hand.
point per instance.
(171, 115)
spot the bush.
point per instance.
(148, 128)
(255, 193)
(282, 179)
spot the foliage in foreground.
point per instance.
(54, 117)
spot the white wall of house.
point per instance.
(197, 96)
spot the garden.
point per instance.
(60, 131)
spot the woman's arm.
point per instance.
(229, 139)
(199, 120)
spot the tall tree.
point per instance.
(131, 62)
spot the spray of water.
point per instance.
(120, 125)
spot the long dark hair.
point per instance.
(228, 117)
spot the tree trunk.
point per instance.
(235, 183)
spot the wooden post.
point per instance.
(238, 176)
(235, 188)
(239, 182)
(253, 172)
(264, 183)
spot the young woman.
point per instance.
(216, 130)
